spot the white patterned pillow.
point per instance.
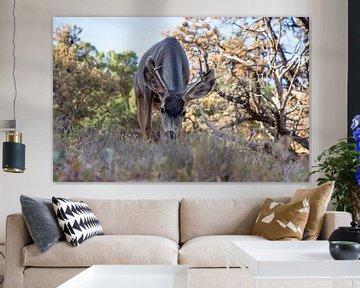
(77, 220)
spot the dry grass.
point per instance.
(197, 157)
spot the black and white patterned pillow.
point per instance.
(77, 220)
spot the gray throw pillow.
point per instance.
(41, 221)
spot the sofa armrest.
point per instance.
(333, 220)
(17, 237)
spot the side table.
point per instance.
(293, 264)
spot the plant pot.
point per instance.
(343, 250)
(351, 233)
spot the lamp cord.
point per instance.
(14, 60)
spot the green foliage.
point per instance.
(122, 67)
(113, 117)
(87, 82)
(339, 163)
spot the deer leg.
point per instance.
(140, 111)
(148, 126)
(143, 111)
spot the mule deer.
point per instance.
(162, 81)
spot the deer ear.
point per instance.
(201, 87)
(152, 77)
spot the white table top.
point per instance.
(131, 276)
(291, 259)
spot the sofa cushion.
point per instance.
(77, 220)
(35, 277)
(319, 198)
(107, 249)
(158, 217)
(211, 251)
(200, 217)
(41, 221)
(279, 221)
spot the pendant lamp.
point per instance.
(13, 160)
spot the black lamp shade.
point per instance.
(13, 157)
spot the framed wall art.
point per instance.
(181, 99)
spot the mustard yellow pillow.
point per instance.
(279, 221)
(319, 198)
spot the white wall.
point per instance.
(34, 75)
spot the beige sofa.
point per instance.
(194, 232)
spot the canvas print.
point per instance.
(181, 99)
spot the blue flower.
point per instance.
(356, 135)
(357, 176)
(357, 147)
(355, 122)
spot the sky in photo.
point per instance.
(140, 33)
(120, 33)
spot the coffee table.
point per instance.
(131, 276)
(293, 260)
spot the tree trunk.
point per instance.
(355, 201)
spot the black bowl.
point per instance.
(344, 250)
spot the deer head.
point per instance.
(173, 104)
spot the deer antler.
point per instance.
(201, 70)
(157, 73)
(200, 64)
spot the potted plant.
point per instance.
(341, 163)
